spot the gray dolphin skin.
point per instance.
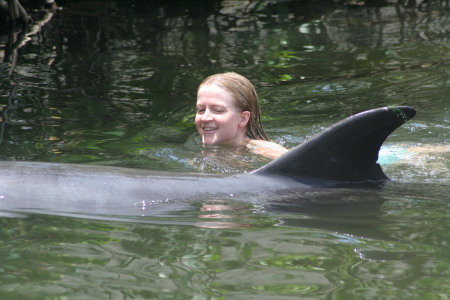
(347, 152)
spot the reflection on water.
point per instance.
(224, 213)
(114, 83)
(230, 249)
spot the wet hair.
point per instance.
(244, 96)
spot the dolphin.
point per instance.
(346, 153)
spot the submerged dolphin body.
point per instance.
(346, 152)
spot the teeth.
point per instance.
(209, 128)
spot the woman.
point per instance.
(228, 112)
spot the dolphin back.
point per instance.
(347, 151)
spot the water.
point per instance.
(114, 83)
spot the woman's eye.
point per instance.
(200, 110)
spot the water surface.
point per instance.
(114, 82)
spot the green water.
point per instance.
(114, 83)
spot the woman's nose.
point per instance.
(207, 116)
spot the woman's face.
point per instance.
(218, 119)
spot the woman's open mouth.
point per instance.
(209, 129)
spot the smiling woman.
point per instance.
(228, 112)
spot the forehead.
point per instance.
(213, 94)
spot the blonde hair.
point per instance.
(245, 97)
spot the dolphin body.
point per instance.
(345, 153)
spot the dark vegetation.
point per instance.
(20, 19)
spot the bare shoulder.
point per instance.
(266, 148)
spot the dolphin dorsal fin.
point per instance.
(347, 151)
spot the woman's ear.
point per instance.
(245, 117)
